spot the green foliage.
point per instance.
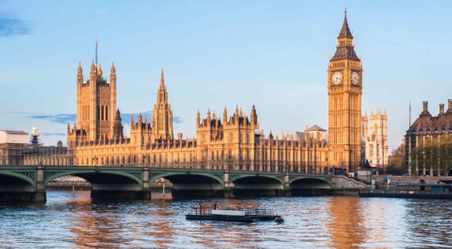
(432, 153)
(395, 162)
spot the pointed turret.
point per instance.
(198, 118)
(253, 115)
(113, 73)
(162, 116)
(345, 50)
(345, 30)
(79, 73)
(93, 70)
(113, 69)
(225, 115)
(79, 68)
(118, 129)
(140, 119)
(162, 95)
(162, 80)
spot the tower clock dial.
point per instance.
(355, 78)
(336, 78)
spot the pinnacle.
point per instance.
(162, 80)
(345, 30)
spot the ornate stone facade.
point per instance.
(344, 103)
(375, 138)
(229, 142)
(428, 143)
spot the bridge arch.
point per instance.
(257, 185)
(174, 175)
(18, 186)
(310, 178)
(256, 178)
(98, 176)
(106, 183)
(309, 183)
(192, 184)
(18, 176)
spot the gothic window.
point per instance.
(106, 112)
(102, 113)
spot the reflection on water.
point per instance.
(68, 221)
(345, 222)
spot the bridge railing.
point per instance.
(274, 166)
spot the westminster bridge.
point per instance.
(28, 183)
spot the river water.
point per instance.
(74, 221)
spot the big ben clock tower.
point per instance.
(344, 103)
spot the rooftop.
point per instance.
(14, 132)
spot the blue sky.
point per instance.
(273, 54)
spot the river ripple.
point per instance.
(68, 221)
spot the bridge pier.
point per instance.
(228, 188)
(18, 190)
(40, 194)
(146, 185)
(287, 190)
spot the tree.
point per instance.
(395, 161)
(435, 153)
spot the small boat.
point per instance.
(243, 215)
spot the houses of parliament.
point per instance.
(232, 141)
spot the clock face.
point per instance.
(355, 78)
(336, 78)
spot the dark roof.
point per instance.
(425, 122)
(343, 53)
(345, 30)
(316, 128)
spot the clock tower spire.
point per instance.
(344, 103)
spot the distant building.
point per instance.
(317, 132)
(11, 146)
(375, 139)
(19, 148)
(13, 137)
(34, 154)
(428, 143)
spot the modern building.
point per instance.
(428, 143)
(228, 142)
(375, 139)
